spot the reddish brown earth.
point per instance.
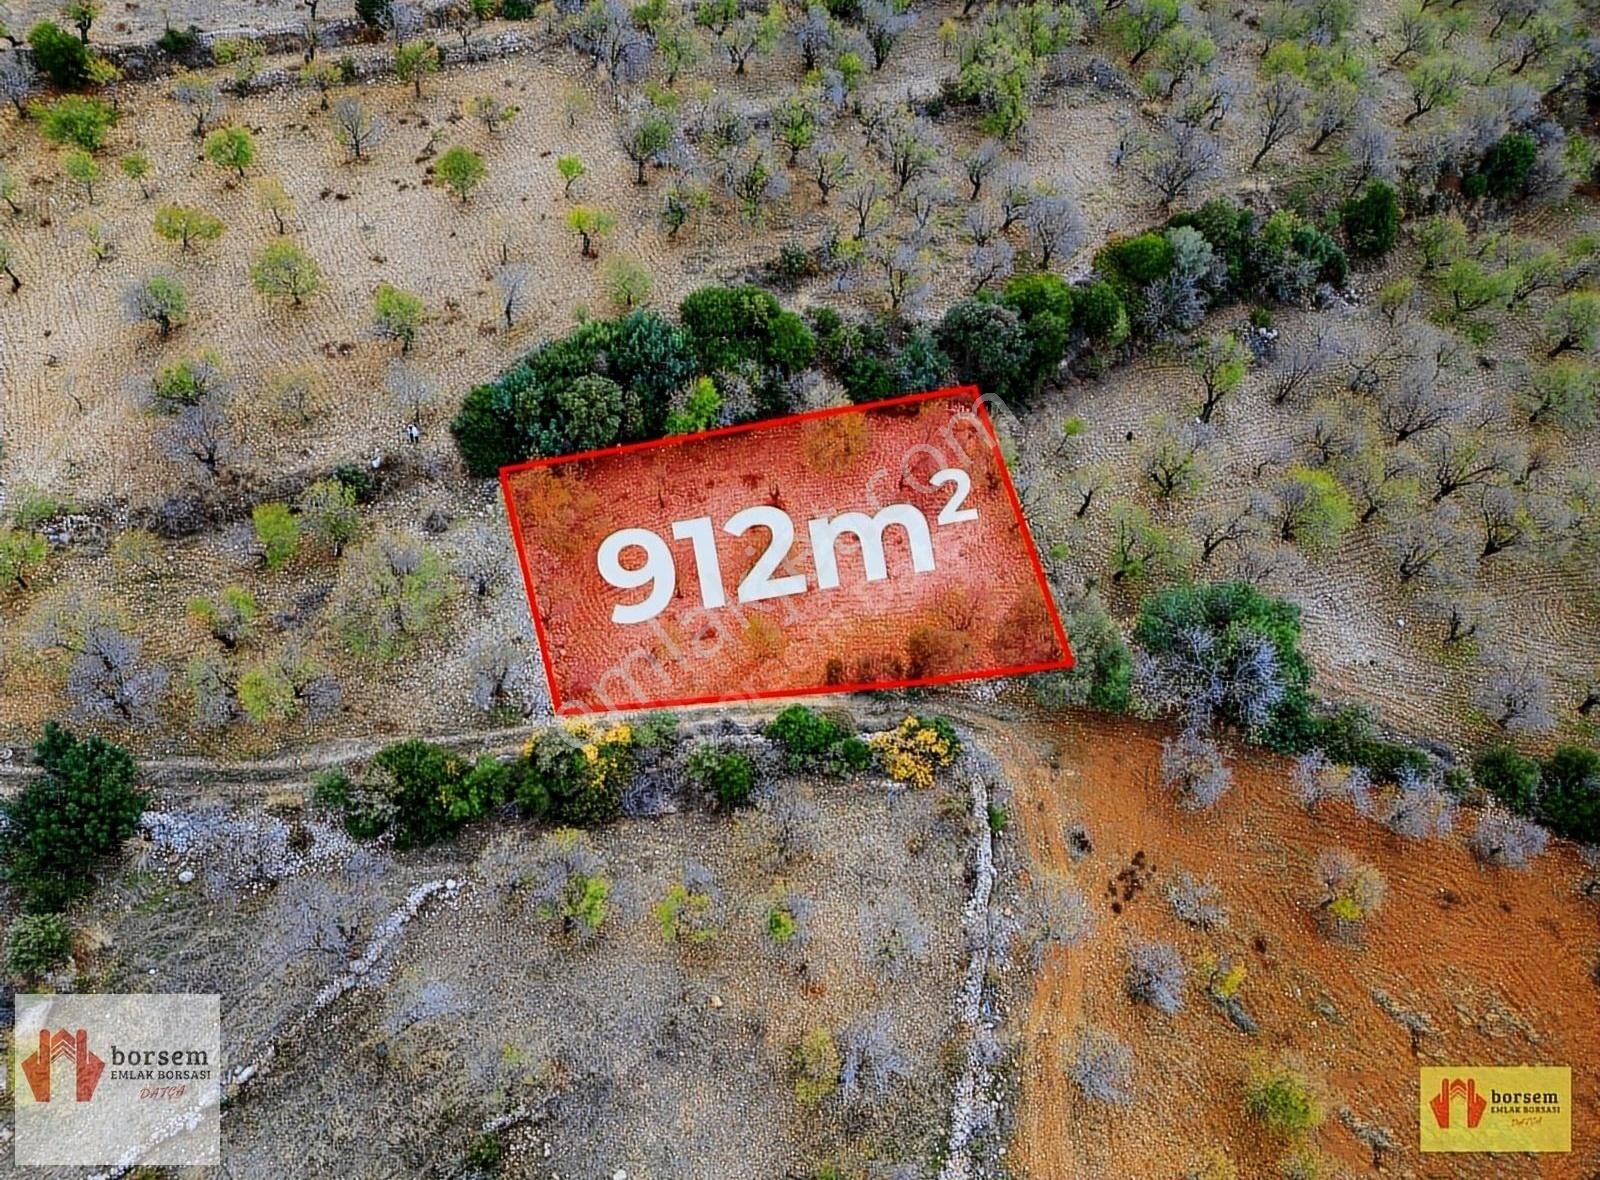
(1500, 960)
(979, 608)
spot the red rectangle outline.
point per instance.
(562, 709)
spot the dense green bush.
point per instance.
(1509, 776)
(1101, 676)
(1349, 736)
(1131, 264)
(875, 359)
(60, 56)
(989, 347)
(1100, 315)
(1372, 220)
(86, 803)
(1504, 170)
(728, 775)
(728, 326)
(1043, 303)
(606, 381)
(78, 121)
(576, 775)
(813, 742)
(1569, 800)
(36, 944)
(420, 791)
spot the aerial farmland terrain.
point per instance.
(721, 803)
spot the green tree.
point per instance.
(160, 299)
(390, 590)
(22, 552)
(231, 147)
(277, 532)
(414, 61)
(592, 227)
(627, 283)
(1572, 323)
(396, 315)
(188, 380)
(1282, 1100)
(136, 167)
(187, 225)
(571, 170)
(73, 119)
(1220, 361)
(989, 347)
(645, 138)
(461, 169)
(701, 409)
(80, 166)
(328, 509)
(63, 58)
(81, 808)
(283, 268)
(1314, 510)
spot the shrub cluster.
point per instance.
(911, 752)
(1562, 792)
(611, 381)
(813, 742)
(726, 775)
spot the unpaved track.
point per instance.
(242, 779)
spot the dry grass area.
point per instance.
(627, 1052)
(1498, 960)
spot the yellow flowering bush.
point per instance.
(576, 772)
(915, 749)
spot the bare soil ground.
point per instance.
(1499, 960)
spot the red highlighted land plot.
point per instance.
(863, 547)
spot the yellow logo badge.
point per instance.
(1496, 1108)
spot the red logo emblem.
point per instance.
(1451, 1088)
(75, 1047)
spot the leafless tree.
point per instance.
(813, 35)
(202, 438)
(1230, 523)
(1279, 109)
(357, 129)
(1176, 459)
(1156, 976)
(1317, 779)
(500, 677)
(109, 681)
(512, 284)
(872, 1059)
(1369, 153)
(1501, 838)
(1432, 544)
(1100, 1064)
(1192, 767)
(1296, 367)
(1196, 901)
(1054, 227)
(1418, 807)
(991, 262)
(894, 935)
(1061, 917)
(979, 164)
(1458, 459)
(1194, 679)
(1516, 697)
(18, 80)
(1376, 1139)
(1177, 161)
(201, 99)
(1378, 480)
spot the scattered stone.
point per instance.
(185, 877)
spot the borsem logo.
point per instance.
(87, 1068)
(874, 546)
(1496, 1108)
(109, 1079)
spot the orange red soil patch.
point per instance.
(859, 547)
(1499, 960)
